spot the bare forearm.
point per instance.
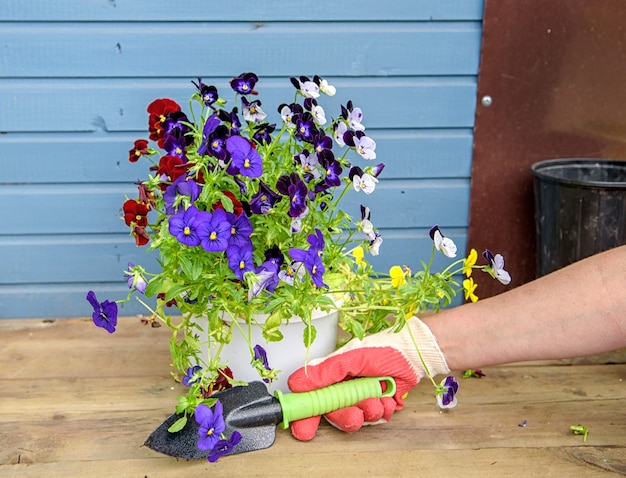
(579, 310)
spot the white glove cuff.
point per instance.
(424, 338)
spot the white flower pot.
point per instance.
(287, 355)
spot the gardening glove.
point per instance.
(382, 354)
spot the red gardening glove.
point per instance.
(361, 362)
(383, 354)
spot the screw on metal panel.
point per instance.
(486, 101)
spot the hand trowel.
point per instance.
(254, 413)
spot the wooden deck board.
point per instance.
(77, 402)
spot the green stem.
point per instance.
(430, 376)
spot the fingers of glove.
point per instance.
(378, 410)
(305, 429)
(349, 419)
(390, 406)
(352, 419)
(373, 409)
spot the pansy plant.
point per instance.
(245, 211)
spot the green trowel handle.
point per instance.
(340, 395)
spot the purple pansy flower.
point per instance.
(208, 93)
(442, 243)
(289, 274)
(362, 181)
(306, 129)
(275, 256)
(104, 313)
(312, 258)
(245, 158)
(210, 126)
(319, 115)
(289, 113)
(224, 447)
(216, 145)
(182, 186)
(261, 355)
(317, 242)
(251, 111)
(263, 133)
(240, 260)
(332, 168)
(192, 376)
(136, 278)
(309, 163)
(308, 88)
(176, 124)
(446, 393)
(244, 83)
(183, 226)
(213, 230)
(175, 143)
(496, 267)
(266, 279)
(263, 200)
(322, 142)
(354, 116)
(375, 244)
(232, 118)
(316, 269)
(293, 187)
(240, 229)
(211, 424)
(339, 130)
(376, 170)
(364, 145)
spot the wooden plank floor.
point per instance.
(78, 402)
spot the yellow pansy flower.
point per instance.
(470, 260)
(358, 254)
(397, 275)
(470, 287)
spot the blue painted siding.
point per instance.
(76, 77)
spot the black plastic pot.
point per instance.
(580, 209)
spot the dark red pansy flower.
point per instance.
(159, 111)
(222, 382)
(140, 149)
(145, 195)
(169, 303)
(170, 169)
(162, 107)
(136, 213)
(141, 238)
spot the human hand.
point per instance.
(383, 354)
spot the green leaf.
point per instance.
(227, 203)
(178, 425)
(309, 335)
(357, 330)
(273, 321)
(209, 402)
(174, 292)
(191, 268)
(154, 286)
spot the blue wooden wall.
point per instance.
(76, 77)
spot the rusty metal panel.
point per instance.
(552, 84)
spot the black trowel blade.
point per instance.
(250, 410)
